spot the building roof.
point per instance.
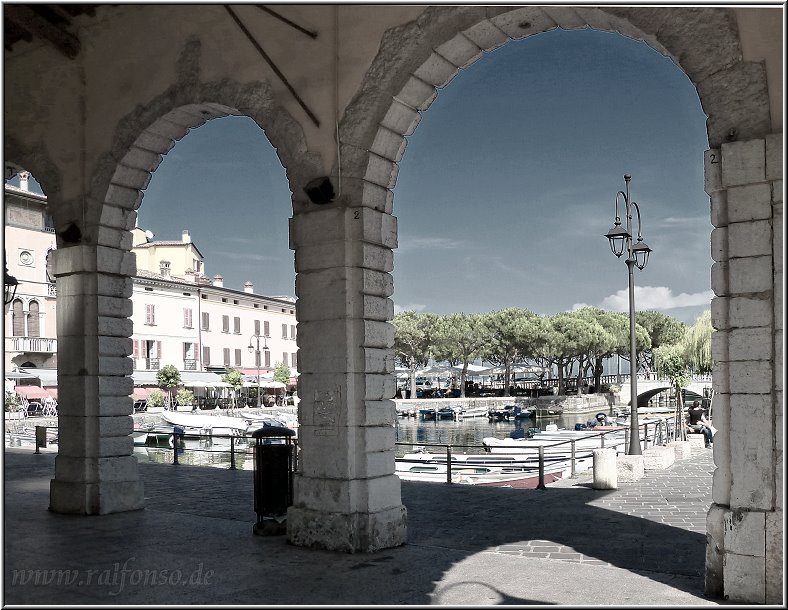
(168, 243)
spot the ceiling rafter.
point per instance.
(45, 21)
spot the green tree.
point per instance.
(168, 378)
(459, 340)
(413, 341)
(616, 327)
(696, 344)
(510, 333)
(662, 329)
(156, 398)
(12, 402)
(590, 340)
(282, 372)
(670, 364)
(234, 378)
(184, 397)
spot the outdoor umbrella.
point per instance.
(272, 385)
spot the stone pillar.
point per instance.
(605, 470)
(744, 524)
(346, 496)
(95, 471)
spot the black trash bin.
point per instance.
(273, 478)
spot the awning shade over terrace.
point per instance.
(32, 392)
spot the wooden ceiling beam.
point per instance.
(26, 18)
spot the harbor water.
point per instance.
(465, 435)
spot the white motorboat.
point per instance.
(510, 470)
(140, 436)
(196, 423)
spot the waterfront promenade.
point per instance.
(642, 544)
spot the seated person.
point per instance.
(602, 420)
(699, 423)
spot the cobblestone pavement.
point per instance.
(569, 544)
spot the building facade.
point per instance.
(180, 316)
(30, 325)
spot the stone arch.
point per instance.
(400, 86)
(94, 268)
(743, 177)
(145, 136)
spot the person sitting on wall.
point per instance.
(699, 423)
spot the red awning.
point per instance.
(142, 393)
(31, 391)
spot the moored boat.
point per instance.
(497, 471)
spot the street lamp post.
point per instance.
(637, 256)
(256, 350)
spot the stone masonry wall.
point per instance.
(744, 557)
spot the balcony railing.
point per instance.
(189, 365)
(152, 364)
(41, 345)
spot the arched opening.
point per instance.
(211, 246)
(505, 192)
(732, 91)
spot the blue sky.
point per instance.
(505, 191)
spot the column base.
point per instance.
(95, 498)
(349, 533)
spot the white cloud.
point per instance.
(655, 297)
(248, 257)
(410, 307)
(428, 243)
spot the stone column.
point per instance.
(744, 524)
(346, 496)
(95, 471)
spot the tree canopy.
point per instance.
(573, 343)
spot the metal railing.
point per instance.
(661, 434)
(174, 442)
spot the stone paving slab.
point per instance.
(642, 543)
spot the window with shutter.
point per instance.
(226, 353)
(266, 329)
(237, 357)
(187, 317)
(268, 359)
(257, 327)
(237, 326)
(18, 319)
(33, 320)
(284, 332)
(150, 316)
(206, 321)
(225, 324)
(206, 356)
